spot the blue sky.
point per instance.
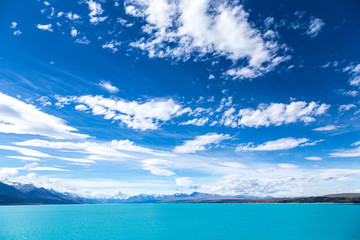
(162, 96)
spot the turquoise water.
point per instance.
(181, 221)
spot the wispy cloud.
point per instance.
(354, 72)
(108, 86)
(25, 151)
(326, 128)
(196, 121)
(183, 181)
(112, 45)
(314, 158)
(200, 143)
(21, 118)
(280, 144)
(346, 107)
(158, 167)
(316, 25)
(355, 152)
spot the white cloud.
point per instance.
(62, 101)
(326, 128)
(352, 69)
(269, 21)
(288, 181)
(355, 81)
(74, 32)
(225, 102)
(280, 144)
(200, 143)
(183, 181)
(313, 143)
(352, 93)
(124, 23)
(24, 158)
(44, 101)
(40, 181)
(91, 147)
(71, 16)
(30, 153)
(314, 158)
(21, 118)
(5, 172)
(186, 28)
(13, 25)
(112, 45)
(347, 153)
(273, 114)
(196, 121)
(25, 151)
(158, 167)
(35, 167)
(108, 86)
(330, 64)
(228, 118)
(82, 40)
(95, 12)
(316, 25)
(346, 107)
(17, 33)
(233, 164)
(45, 27)
(111, 151)
(135, 115)
(354, 72)
(355, 152)
(287, 166)
(81, 107)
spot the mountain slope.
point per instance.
(29, 194)
(10, 195)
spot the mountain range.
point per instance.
(28, 194)
(171, 198)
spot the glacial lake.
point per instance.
(181, 221)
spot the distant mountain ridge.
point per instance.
(28, 194)
(171, 198)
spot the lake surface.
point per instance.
(181, 221)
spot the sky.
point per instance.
(257, 98)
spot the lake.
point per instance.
(181, 221)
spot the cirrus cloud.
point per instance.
(158, 166)
(22, 118)
(280, 144)
(200, 143)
